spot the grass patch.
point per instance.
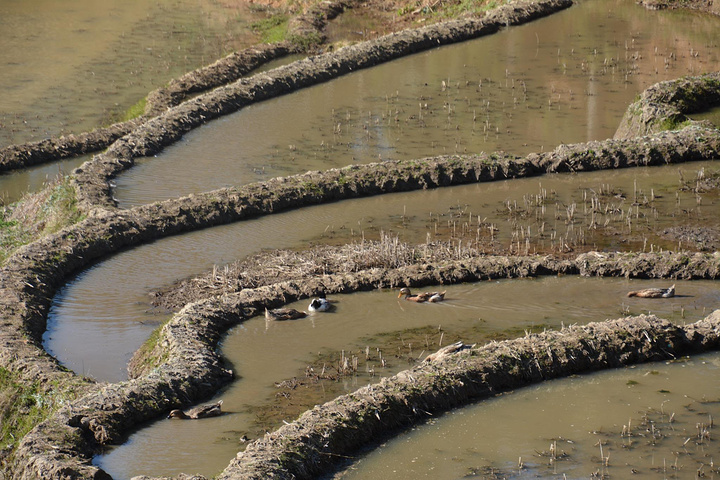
(448, 9)
(135, 111)
(22, 407)
(306, 42)
(145, 359)
(462, 7)
(38, 214)
(675, 122)
(272, 29)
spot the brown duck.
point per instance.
(203, 411)
(284, 314)
(653, 292)
(432, 297)
(448, 350)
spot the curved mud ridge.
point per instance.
(167, 128)
(29, 279)
(223, 71)
(313, 443)
(184, 368)
(665, 105)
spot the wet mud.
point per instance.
(182, 367)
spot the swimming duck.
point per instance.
(433, 297)
(654, 292)
(203, 411)
(320, 304)
(284, 314)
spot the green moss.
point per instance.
(675, 122)
(24, 406)
(135, 111)
(37, 215)
(272, 29)
(147, 356)
(306, 42)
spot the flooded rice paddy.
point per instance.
(562, 79)
(567, 78)
(98, 319)
(69, 68)
(649, 421)
(266, 354)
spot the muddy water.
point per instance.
(13, 185)
(712, 115)
(562, 79)
(70, 67)
(98, 319)
(264, 354)
(574, 415)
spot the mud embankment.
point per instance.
(187, 368)
(316, 441)
(665, 105)
(350, 268)
(184, 365)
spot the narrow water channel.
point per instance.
(265, 354)
(562, 79)
(99, 318)
(663, 404)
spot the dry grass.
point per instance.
(279, 265)
(38, 214)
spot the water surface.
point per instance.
(562, 79)
(573, 416)
(99, 318)
(69, 67)
(264, 355)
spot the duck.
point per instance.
(284, 314)
(448, 350)
(654, 292)
(320, 304)
(432, 297)
(203, 411)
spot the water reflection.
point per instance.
(562, 79)
(712, 115)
